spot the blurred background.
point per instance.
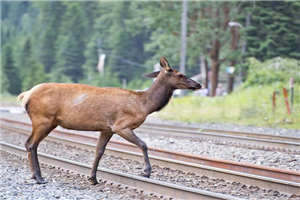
(244, 53)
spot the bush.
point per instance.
(246, 106)
(276, 71)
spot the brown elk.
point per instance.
(109, 110)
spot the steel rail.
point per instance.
(197, 130)
(257, 140)
(149, 185)
(278, 179)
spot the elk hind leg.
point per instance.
(39, 132)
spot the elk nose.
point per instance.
(195, 85)
(199, 86)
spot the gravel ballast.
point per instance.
(164, 174)
(15, 183)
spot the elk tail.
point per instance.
(24, 97)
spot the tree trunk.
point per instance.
(244, 48)
(204, 71)
(230, 80)
(234, 46)
(214, 56)
(183, 36)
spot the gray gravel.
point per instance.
(16, 184)
(165, 174)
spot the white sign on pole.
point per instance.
(101, 61)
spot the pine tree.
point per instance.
(11, 79)
(32, 71)
(91, 13)
(25, 53)
(274, 30)
(92, 76)
(72, 43)
(51, 17)
(35, 75)
(123, 35)
(91, 54)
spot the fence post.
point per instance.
(274, 101)
(286, 100)
(292, 92)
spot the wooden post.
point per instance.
(286, 100)
(292, 92)
(274, 101)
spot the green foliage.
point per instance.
(58, 76)
(139, 84)
(274, 30)
(24, 57)
(108, 79)
(121, 36)
(64, 38)
(248, 106)
(35, 75)
(11, 80)
(276, 71)
(33, 71)
(164, 19)
(72, 43)
(91, 55)
(3, 77)
(50, 18)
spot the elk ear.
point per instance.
(152, 75)
(164, 63)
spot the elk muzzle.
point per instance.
(193, 85)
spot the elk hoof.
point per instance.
(93, 180)
(40, 180)
(145, 175)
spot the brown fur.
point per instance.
(109, 110)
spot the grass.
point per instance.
(250, 106)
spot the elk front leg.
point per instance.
(129, 135)
(101, 144)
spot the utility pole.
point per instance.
(183, 35)
(235, 36)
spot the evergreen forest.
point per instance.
(61, 41)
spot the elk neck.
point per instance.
(158, 95)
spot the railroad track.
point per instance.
(149, 185)
(235, 138)
(247, 139)
(266, 177)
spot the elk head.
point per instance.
(173, 78)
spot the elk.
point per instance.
(108, 110)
